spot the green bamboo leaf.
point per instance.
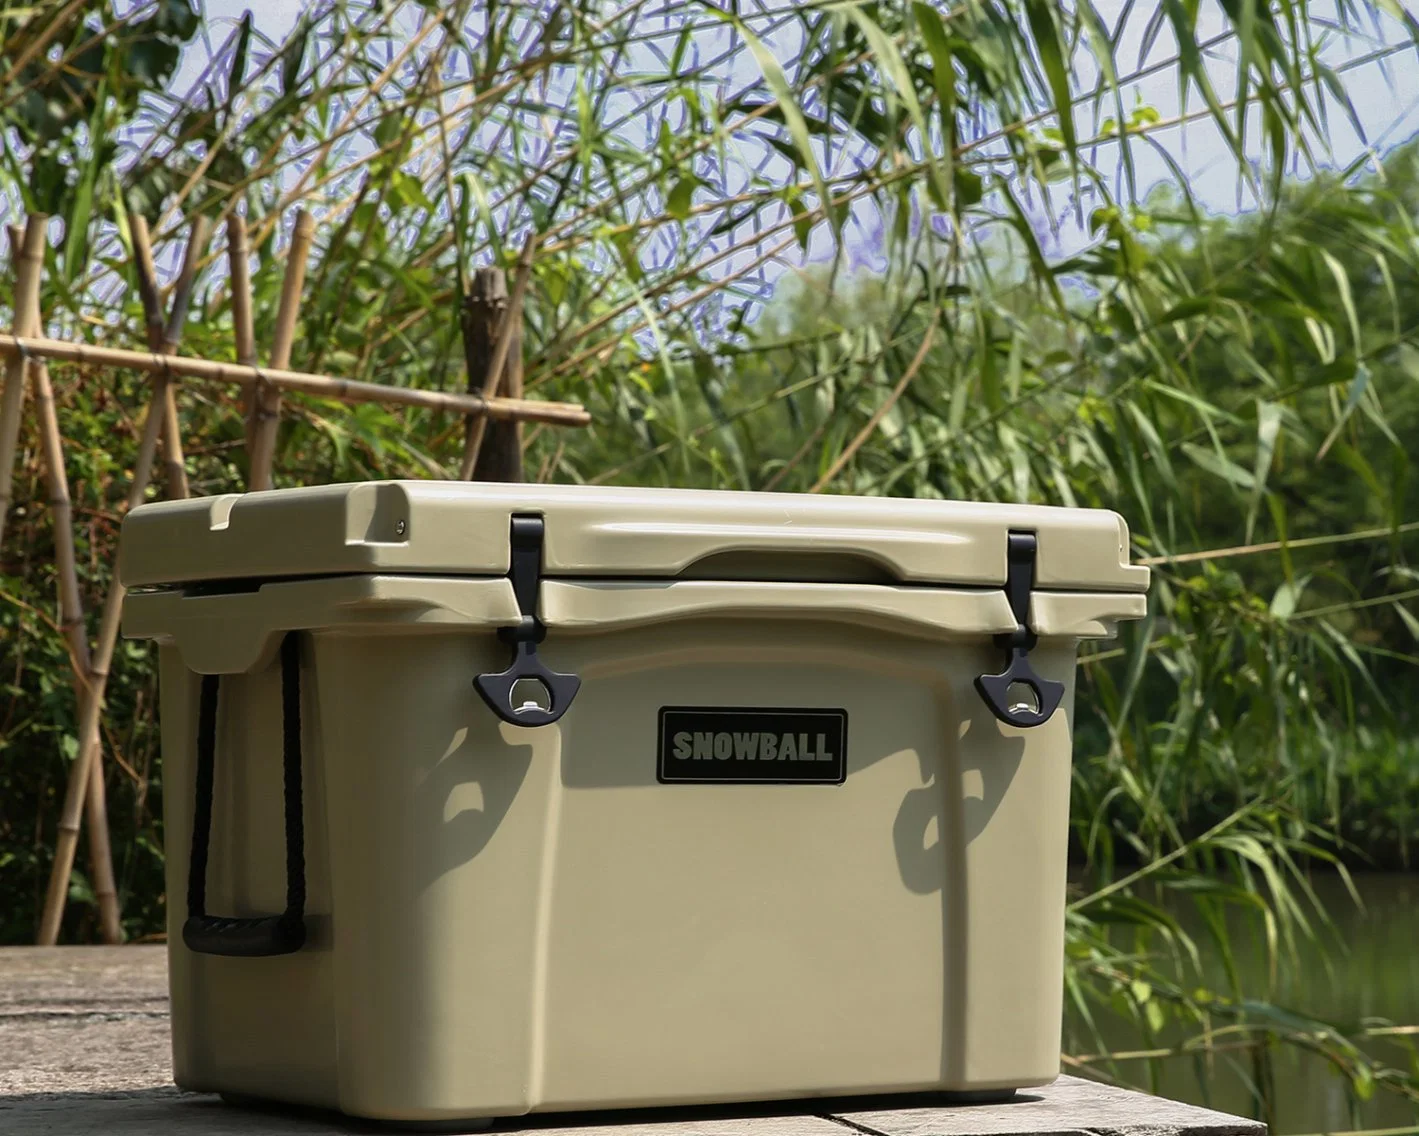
(1157, 449)
(631, 262)
(678, 200)
(1268, 426)
(1043, 17)
(236, 75)
(1382, 264)
(1352, 400)
(943, 70)
(1323, 338)
(1278, 137)
(1219, 465)
(1343, 644)
(1039, 266)
(891, 62)
(1409, 618)
(1347, 301)
(293, 54)
(1192, 68)
(792, 115)
(1356, 461)
(1188, 309)
(1151, 30)
(1374, 412)
(1102, 48)
(970, 188)
(1137, 662)
(1287, 596)
(473, 190)
(1338, 92)
(1208, 411)
(1408, 357)
(76, 225)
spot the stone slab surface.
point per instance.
(84, 1052)
(82, 1019)
(1070, 1105)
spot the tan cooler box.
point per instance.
(489, 799)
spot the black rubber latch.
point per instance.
(525, 572)
(995, 688)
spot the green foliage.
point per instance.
(71, 82)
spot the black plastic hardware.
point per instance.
(525, 572)
(258, 935)
(995, 688)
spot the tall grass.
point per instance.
(696, 178)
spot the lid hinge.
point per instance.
(1017, 695)
(544, 695)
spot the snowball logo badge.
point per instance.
(708, 745)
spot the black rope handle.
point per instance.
(259, 935)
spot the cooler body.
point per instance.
(778, 846)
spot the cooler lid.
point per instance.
(462, 529)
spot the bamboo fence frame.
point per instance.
(26, 352)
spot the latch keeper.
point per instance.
(525, 572)
(995, 688)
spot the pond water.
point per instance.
(1367, 967)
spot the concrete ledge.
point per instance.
(84, 1050)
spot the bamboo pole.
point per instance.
(480, 318)
(29, 262)
(266, 399)
(500, 457)
(174, 468)
(239, 274)
(239, 259)
(71, 622)
(324, 386)
(510, 329)
(109, 622)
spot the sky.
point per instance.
(1385, 97)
